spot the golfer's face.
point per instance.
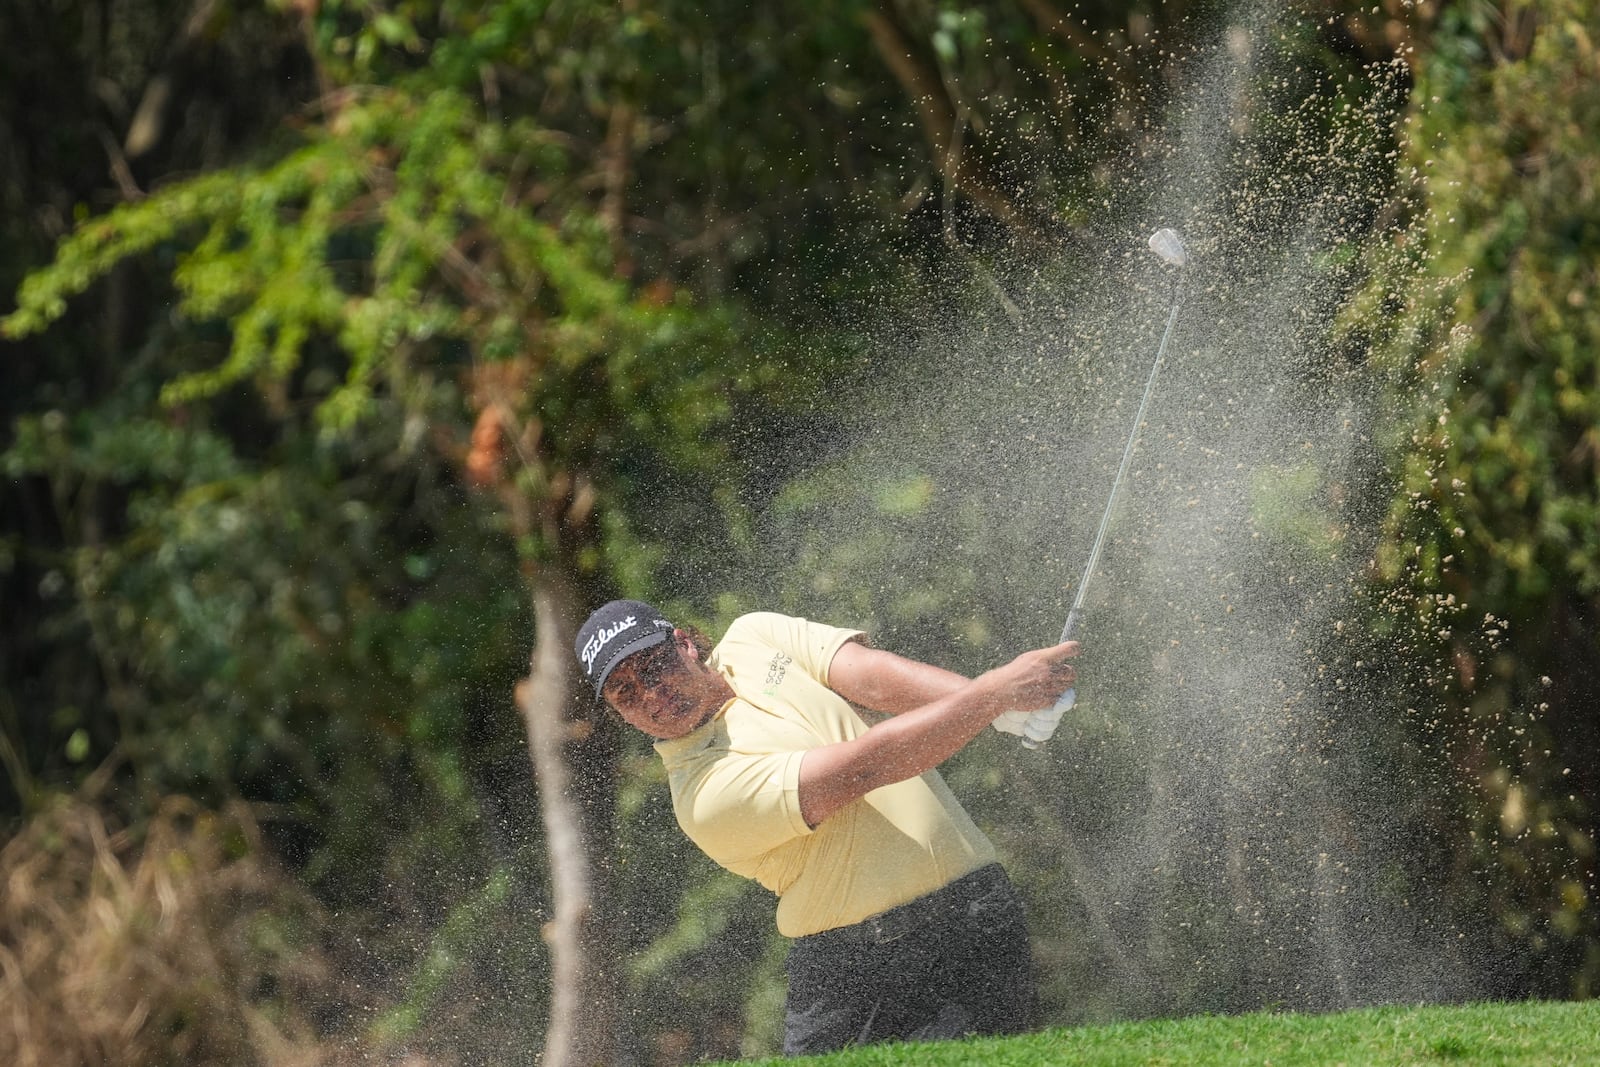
(651, 691)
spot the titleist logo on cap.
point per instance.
(606, 634)
(602, 637)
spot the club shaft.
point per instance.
(1122, 469)
(1041, 724)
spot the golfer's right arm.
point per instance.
(917, 741)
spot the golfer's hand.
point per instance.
(1047, 678)
(1032, 680)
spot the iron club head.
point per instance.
(1169, 246)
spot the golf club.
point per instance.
(1042, 723)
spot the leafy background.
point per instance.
(339, 327)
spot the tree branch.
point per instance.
(939, 126)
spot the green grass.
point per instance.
(1479, 1035)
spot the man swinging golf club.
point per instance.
(905, 927)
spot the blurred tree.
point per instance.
(215, 599)
(451, 270)
(76, 81)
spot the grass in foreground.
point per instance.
(1479, 1035)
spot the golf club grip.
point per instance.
(1072, 620)
(1041, 724)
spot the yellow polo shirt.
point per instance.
(735, 789)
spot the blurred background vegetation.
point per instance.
(358, 345)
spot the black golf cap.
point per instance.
(616, 632)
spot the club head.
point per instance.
(1169, 246)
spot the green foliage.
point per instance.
(462, 933)
(1285, 505)
(413, 178)
(1492, 555)
(266, 542)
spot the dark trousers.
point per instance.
(951, 964)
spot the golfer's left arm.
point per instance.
(882, 681)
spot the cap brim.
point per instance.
(638, 644)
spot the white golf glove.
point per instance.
(1012, 722)
(1038, 726)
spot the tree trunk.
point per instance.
(574, 755)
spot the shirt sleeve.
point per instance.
(744, 807)
(811, 644)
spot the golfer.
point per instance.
(904, 926)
